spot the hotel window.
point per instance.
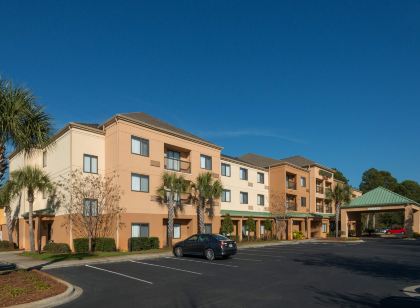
(225, 170)
(90, 207)
(139, 146)
(139, 182)
(226, 195)
(44, 159)
(302, 181)
(90, 163)
(208, 228)
(324, 228)
(260, 199)
(262, 229)
(243, 197)
(243, 174)
(303, 201)
(260, 177)
(177, 230)
(205, 162)
(140, 230)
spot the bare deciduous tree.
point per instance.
(278, 207)
(91, 203)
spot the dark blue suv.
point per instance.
(210, 246)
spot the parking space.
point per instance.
(367, 274)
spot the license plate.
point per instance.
(230, 245)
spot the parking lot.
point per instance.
(373, 273)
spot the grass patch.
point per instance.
(20, 287)
(57, 257)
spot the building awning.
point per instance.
(246, 213)
(40, 213)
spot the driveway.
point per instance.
(370, 274)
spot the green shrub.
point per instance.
(57, 248)
(105, 244)
(416, 235)
(143, 243)
(81, 245)
(298, 235)
(6, 245)
(98, 244)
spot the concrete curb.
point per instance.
(67, 296)
(296, 242)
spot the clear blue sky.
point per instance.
(335, 81)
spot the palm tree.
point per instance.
(33, 180)
(203, 192)
(6, 196)
(23, 124)
(170, 193)
(340, 194)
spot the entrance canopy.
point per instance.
(381, 200)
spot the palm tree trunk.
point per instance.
(201, 228)
(9, 222)
(3, 161)
(31, 222)
(171, 216)
(337, 218)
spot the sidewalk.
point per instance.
(29, 263)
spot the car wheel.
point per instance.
(209, 254)
(178, 252)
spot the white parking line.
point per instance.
(168, 267)
(211, 263)
(246, 259)
(116, 273)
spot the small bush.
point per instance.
(298, 235)
(81, 245)
(105, 244)
(57, 248)
(416, 235)
(6, 245)
(143, 243)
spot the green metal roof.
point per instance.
(379, 196)
(324, 215)
(246, 213)
(299, 215)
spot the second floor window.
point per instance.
(260, 199)
(90, 163)
(44, 159)
(205, 162)
(303, 201)
(243, 197)
(90, 207)
(243, 174)
(260, 177)
(139, 182)
(139, 146)
(226, 195)
(302, 181)
(225, 170)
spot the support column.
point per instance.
(240, 229)
(258, 228)
(416, 222)
(358, 224)
(408, 220)
(290, 229)
(303, 226)
(308, 228)
(344, 224)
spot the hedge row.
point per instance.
(98, 244)
(6, 245)
(143, 243)
(298, 235)
(57, 248)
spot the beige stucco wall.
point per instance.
(251, 186)
(314, 195)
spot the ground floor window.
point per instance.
(262, 229)
(324, 228)
(208, 228)
(140, 230)
(177, 230)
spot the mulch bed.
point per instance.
(19, 287)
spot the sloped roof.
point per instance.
(379, 196)
(258, 160)
(93, 125)
(299, 161)
(157, 123)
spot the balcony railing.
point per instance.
(175, 164)
(320, 208)
(328, 209)
(291, 185)
(320, 189)
(291, 206)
